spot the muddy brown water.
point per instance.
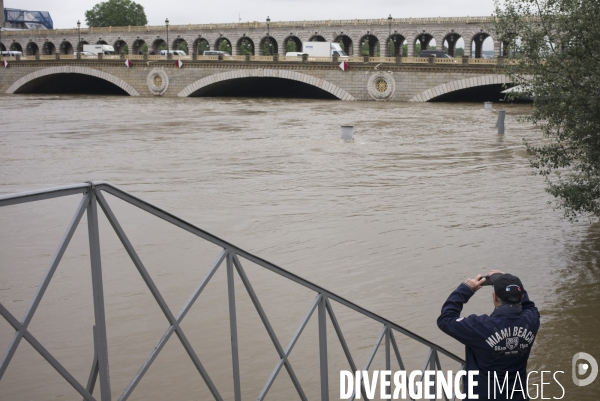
(426, 195)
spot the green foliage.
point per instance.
(246, 47)
(268, 48)
(459, 52)
(183, 46)
(163, 46)
(203, 46)
(558, 44)
(224, 46)
(126, 49)
(116, 13)
(290, 46)
(144, 48)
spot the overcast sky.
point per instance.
(66, 13)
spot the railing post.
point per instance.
(323, 348)
(100, 340)
(233, 328)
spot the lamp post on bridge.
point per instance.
(268, 35)
(79, 38)
(167, 24)
(389, 35)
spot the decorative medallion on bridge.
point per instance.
(381, 86)
(158, 81)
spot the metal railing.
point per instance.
(231, 257)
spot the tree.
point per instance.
(116, 13)
(183, 46)
(290, 46)
(559, 65)
(224, 46)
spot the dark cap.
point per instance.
(507, 287)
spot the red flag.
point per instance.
(178, 63)
(4, 63)
(128, 63)
(344, 66)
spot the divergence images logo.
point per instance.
(582, 368)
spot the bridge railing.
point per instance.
(230, 258)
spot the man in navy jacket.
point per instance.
(498, 345)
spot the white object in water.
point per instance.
(487, 106)
(348, 132)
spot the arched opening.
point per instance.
(223, 45)
(245, 46)
(102, 42)
(139, 47)
(71, 83)
(369, 46)
(317, 38)
(81, 44)
(121, 47)
(49, 48)
(263, 87)
(180, 44)
(2, 47)
(201, 45)
(292, 44)
(423, 42)
(158, 45)
(454, 45)
(16, 47)
(396, 45)
(66, 48)
(268, 46)
(31, 49)
(345, 43)
(482, 45)
(483, 93)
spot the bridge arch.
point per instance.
(137, 46)
(345, 43)
(462, 84)
(477, 43)
(266, 73)
(451, 40)
(120, 45)
(297, 43)
(2, 47)
(269, 46)
(200, 45)
(424, 38)
(369, 43)
(157, 44)
(72, 70)
(49, 48)
(102, 42)
(66, 47)
(16, 46)
(317, 38)
(180, 44)
(81, 44)
(223, 44)
(245, 45)
(395, 42)
(31, 49)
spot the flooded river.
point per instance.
(424, 197)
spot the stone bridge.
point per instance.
(381, 37)
(375, 78)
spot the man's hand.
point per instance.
(475, 283)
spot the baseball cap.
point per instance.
(507, 287)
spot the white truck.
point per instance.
(323, 49)
(99, 49)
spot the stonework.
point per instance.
(402, 82)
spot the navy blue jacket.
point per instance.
(498, 343)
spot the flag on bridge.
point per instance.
(178, 63)
(128, 63)
(344, 66)
(4, 63)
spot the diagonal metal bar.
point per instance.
(343, 343)
(426, 364)
(268, 327)
(235, 359)
(37, 298)
(94, 371)
(289, 348)
(397, 351)
(438, 366)
(372, 356)
(165, 337)
(157, 296)
(101, 341)
(45, 354)
(388, 362)
(324, 366)
(43, 194)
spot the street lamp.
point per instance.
(79, 37)
(389, 34)
(268, 36)
(167, 24)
